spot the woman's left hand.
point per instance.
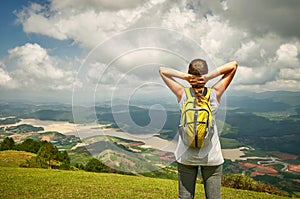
(196, 81)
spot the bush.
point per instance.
(239, 181)
(29, 145)
(31, 163)
(7, 144)
(94, 165)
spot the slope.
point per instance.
(45, 183)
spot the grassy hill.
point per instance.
(44, 183)
(14, 158)
(34, 183)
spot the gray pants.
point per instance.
(187, 176)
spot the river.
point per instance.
(88, 130)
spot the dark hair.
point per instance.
(198, 67)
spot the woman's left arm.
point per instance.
(227, 71)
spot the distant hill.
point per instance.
(263, 133)
(287, 97)
(250, 104)
(24, 128)
(55, 115)
(267, 120)
(57, 112)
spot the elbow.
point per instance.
(161, 70)
(234, 64)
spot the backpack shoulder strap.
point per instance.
(189, 92)
(206, 92)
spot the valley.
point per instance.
(259, 137)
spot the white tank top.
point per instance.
(210, 154)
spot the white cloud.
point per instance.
(34, 60)
(218, 38)
(4, 77)
(282, 84)
(276, 85)
(290, 74)
(31, 67)
(265, 58)
(287, 54)
(256, 16)
(79, 5)
(250, 53)
(224, 5)
(86, 22)
(94, 71)
(253, 76)
(178, 19)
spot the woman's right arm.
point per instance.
(168, 75)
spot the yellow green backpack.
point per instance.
(196, 120)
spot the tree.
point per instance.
(47, 153)
(7, 144)
(64, 158)
(94, 165)
(29, 145)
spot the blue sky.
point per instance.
(11, 34)
(48, 47)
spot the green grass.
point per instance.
(228, 143)
(277, 115)
(45, 183)
(14, 158)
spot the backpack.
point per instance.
(196, 120)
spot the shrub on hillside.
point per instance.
(48, 155)
(94, 165)
(29, 145)
(239, 181)
(7, 144)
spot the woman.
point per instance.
(209, 158)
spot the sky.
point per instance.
(60, 50)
